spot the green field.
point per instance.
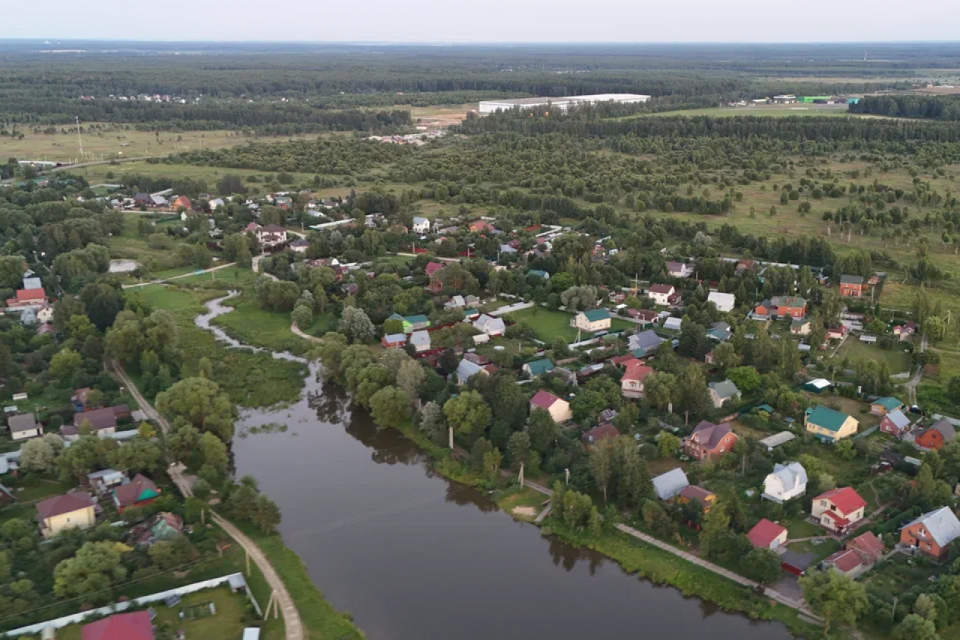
(253, 325)
(775, 111)
(549, 325)
(854, 350)
(210, 175)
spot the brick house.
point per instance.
(433, 272)
(793, 306)
(631, 384)
(932, 533)
(895, 423)
(936, 436)
(709, 441)
(851, 286)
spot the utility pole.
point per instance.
(79, 138)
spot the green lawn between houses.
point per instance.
(549, 325)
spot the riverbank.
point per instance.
(634, 557)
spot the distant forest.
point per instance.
(904, 106)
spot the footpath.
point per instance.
(291, 617)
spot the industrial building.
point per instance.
(562, 104)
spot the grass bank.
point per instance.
(268, 329)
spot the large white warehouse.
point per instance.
(489, 106)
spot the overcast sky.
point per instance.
(486, 20)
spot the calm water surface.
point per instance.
(414, 556)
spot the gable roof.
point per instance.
(826, 417)
(637, 372)
(393, 338)
(941, 524)
(417, 319)
(898, 418)
(105, 418)
(888, 403)
(466, 369)
(420, 338)
(788, 301)
(672, 323)
(694, 492)
(845, 560)
(645, 340)
(792, 476)
(544, 399)
(851, 279)
(21, 423)
(599, 433)
(945, 428)
(59, 505)
(845, 499)
(722, 300)
(764, 533)
(419, 220)
(121, 626)
(662, 288)
(538, 367)
(869, 544)
(25, 295)
(140, 488)
(597, 314)
(670, 483)
(725, 389)
(709, 435)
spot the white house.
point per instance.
(721, 392)
(421, 225)
(272, 235)
(467, 369)
(490, 325)
(679, 270)
(24, 426)
(661, 294)
(785, 483)
(725, 302)
(592, 320)
(673, 324)
(420, 340)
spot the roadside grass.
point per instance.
(250, 379)
(522, 498)
(320, 620)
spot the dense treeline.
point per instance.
(910, 106)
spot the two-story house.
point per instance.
(75, 510)
(932, 533)
(421, 225)
(709, 441)
(828, 424)
(679, 270)
(937, 436)
(632, 382)
(838, 509)
(593, 320)
(788, 481)
(851, 286)
(663, 295)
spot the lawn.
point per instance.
(522, 498)
(859, 410)
(35, 489)
(801, 528)
(269, 329)
(854, 350)
(549, 325)
(820, 549)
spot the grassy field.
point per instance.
(271, 330)
(855, 350)
(772, 110)
(549, 325)
(99, 173)
(114, 142)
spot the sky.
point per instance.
(474, 21)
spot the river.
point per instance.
(414, 556)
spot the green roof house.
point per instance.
(593, 320)
(415, 323)
(883, 406)
(538, 367)
(829, 425)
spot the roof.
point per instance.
(433, 267)
(845, 561)
(888, 403)
(416, 319)
(673, 323)
(946, 429)
(600, 432)
(538, 367)
(544, 399)
(670, 483)
(646, 340)
(597, 314)
(869, 543)
(466, 369)
(637, 372)
(105, 418)
(778, 439)
(797, 560)
(819, 384)
(845, 499)
(764, 533)
(140, 488)
(675, 267)
(693, 492)
(21, 423)
(24, 295)
(661, 288)
(395, 337)
(419, 220)
(788, 301)
(898, 418)
(942, 525)
(709, 435)
(59, 505)
(722, 300)
(826, 417)
(725, 389)
(792, 476)
(120, 626)
(851, 280)
(420, 338)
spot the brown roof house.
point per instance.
(709, 441)
(139, 492)
(859, 555)
(70, 511)
(24, 426)
(102, 422)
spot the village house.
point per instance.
(644, 343)
(932, 533)
(593, 320)
(420, 341)
(537, 367)
(644, 317)
(800, 327)
(851, 286)
(670, 484)
(722, 392)
(27, 298)
(68, 511)
(632, 382)
(679, 270)
(709, 441)
(103, 481)
(415, 323)
(936, 436)
(859, 555)
(181, 201)
(694, 493)
(139, 492)
(663, 295)
(558, 409)
(905, 331)
(767, 535)
(896, 423)
(299, 245)
(433, 270)
(787, 482)
(393, 340)
(121, 626)
(467, 369)
(24, 426)
(102, 422)
(828, 424)
(598, 433)
(489, 325)
(838, 509)
(720, 331)
(883, 406)
(479, 226)
(421, 225)
(163, 526)
(271, 236)
(793, 306)
(725, 302)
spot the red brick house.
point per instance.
(433, 272)
(793, 306)
(709, 441)
(896, 423)
(936, 436)
(851, 286)
(932, 533)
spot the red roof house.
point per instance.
(838, 509)
(599, 433)
(433, 272)
(120, 626)
(559, 409)
(767, 535)
(27, 298)
(631, 384)
(138, 492)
